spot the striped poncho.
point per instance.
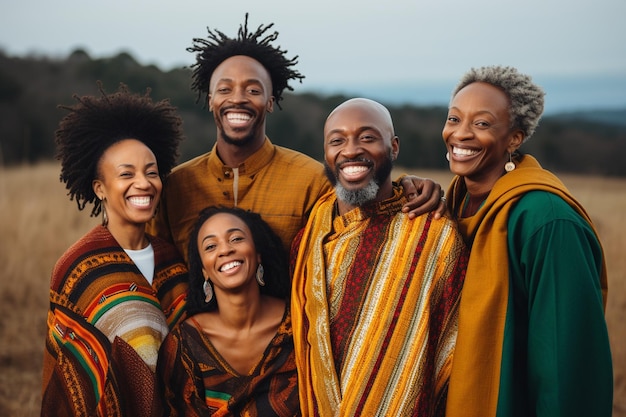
(374, 309)
(105, 326)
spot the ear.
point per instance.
(205, 274)
(209, 100)
(515, 141)
(258, 258)
(395, 147)
(98, 188)
(270, 105)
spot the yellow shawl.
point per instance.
(475, 375)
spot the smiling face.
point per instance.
(227, 252)
(478, 135)
(359, 149)
(128, 180)
(240, 94)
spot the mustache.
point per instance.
(353, 160)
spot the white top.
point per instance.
(144, 259)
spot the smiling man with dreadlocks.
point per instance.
(241, 79)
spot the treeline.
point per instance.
(32, 87)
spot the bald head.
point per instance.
(359, 149)
(365, 109)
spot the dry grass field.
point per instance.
(38, 222)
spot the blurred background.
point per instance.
(406, 54)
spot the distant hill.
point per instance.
(567, 94)
(607, 116)
(590, 141)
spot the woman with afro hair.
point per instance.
(115, 293)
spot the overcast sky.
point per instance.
(340, 42)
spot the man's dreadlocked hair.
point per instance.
(96, 123)
(218, 47)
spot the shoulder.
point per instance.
(542, 215)
(299, 170)
(88, 245)
(191, 166)
(294, 157)
(163, 248)
(543, 207)
(441, 229)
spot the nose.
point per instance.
(225, 248)
(462, 131)
(142, 181)
(239, 95)
(352, 149)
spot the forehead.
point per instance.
(241, 67)
(222, 222)
(127, 149)
(357, 116)
(481, 95)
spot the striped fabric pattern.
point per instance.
(104, 320)
(375, 301)
(196, 380)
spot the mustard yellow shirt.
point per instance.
(280, 184)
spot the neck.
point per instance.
(234, 155)
(132, 237)
(239, 311)
(472, 203)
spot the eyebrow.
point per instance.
(246, 81)
(478, 112)
(229, 231)
(149, 164)
(360, 130)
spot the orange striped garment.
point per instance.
(374, 306)
(105, 327)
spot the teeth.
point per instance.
(351, 170)
(140, 201)
(237, 117)
(230, 265)
(464, 152)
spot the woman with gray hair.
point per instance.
(532, 335)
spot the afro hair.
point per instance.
(95, 123)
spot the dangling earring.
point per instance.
(260, 271)
(509, 166)
(208, 291)
(448, 156)
(105, 218)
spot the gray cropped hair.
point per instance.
(525, 97)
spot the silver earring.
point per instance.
(208, 291)
(509, 166)
(260, 271)
(105, 218)
(448, 156)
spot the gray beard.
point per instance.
(358, 197)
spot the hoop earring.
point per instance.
(208, 291)
(448, 156)
(509, 166)
(260, 271)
